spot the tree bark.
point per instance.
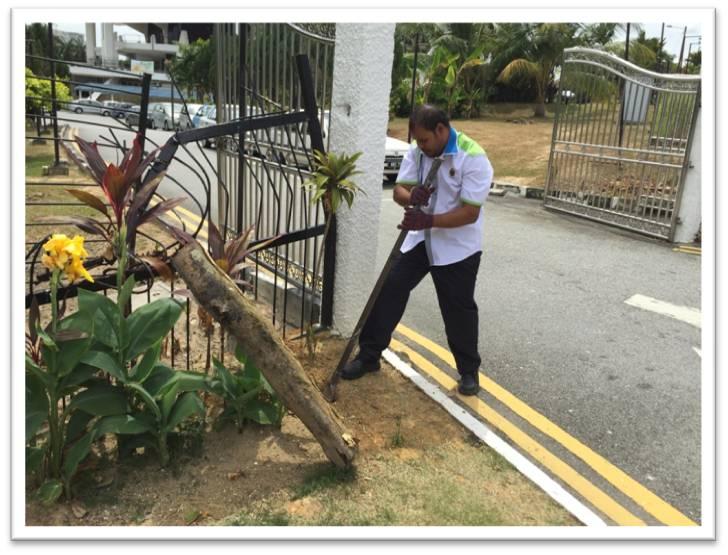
(220, 296)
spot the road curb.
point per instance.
(71, 148)
(526, 191)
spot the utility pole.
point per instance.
(682, 49)
(626, 44)
(662, 44)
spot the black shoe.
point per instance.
(468, 384)
(357, 368)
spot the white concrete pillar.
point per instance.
(109, 57)
(359, 114)
(91, 43)
(689, 214)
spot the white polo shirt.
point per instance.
(464, 177)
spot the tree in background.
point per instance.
(38, 95)
(693, 62)
(195, 67)
(36, 44)
(541, 47)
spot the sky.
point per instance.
(673, 35)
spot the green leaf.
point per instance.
(450, 77)
(122, 424)
(34, 458)
(168, 399)
(36, 405)
(76, 454)
(262, 412)
(226, 378)
(50, 491)
(81, 374)
(104, 361)
(45, 378)
(100, 400)
(147, 398)
(46, 339)
(144, 367)
(250, 370)
(150, 323)
(77, 425)
(126, 291)
(188, 404)
(160, 375)
(105, 314)
(70, 355)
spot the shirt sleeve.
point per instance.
(407, 175)
(477, 177)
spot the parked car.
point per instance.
(189, 113)
(115, 108)
(394, 152)
(162, 116)
(86, 105)
(132, 117)
(202, 111)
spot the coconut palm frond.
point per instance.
(519, 68)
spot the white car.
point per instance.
(394, 152)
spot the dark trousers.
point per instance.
(455, 286)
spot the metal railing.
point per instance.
(258, 75)
(621, 142)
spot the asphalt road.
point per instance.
(555, 331)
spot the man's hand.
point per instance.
(420, 195)
(416, 219)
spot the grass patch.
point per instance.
(35, 162)
(452, 485)
(326, 477)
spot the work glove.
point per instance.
(416, 219)
(420, 195)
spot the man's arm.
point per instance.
(401, 194)
(462, 215)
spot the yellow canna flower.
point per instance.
(75, 270)
(67, 255)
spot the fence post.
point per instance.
(308, 95)
(144, 108)
(54, 106)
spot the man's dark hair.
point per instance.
(428, 117)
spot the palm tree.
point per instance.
(536, 51)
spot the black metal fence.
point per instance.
(192, 171)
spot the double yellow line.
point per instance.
(688, 249)
(651, 503)
(189, 217)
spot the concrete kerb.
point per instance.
(71, 148)
(525, 191)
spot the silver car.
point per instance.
(162, 116)
(86, 105)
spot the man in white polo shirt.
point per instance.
(445, 226)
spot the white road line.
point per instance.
(698, 352)
(522, 464)
(685, 314)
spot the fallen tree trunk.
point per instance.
(221, 297)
